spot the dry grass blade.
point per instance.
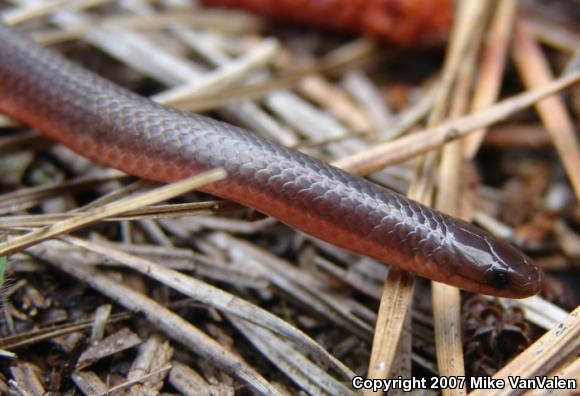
(27, 377)
(492, 66)
(173, 210)
(38, 10)
(189, 382)
(214, 297)
(421, 142)
(395, 301)
(171, 324)
(150, 212)
(364, 91)
(336, 101)
(127, 384)
(34, 336)
(570, 372)
(535, 72)
(447, 325)
(450, 103)
(223, 77)
(294, 283)
(538, 311)
(466, 28)
(220, 20)
(345, 57)
(154, 354)
(255, 90)
(554, 349)
(410, 117)
(307, 374)
(47, 191)
(398, 297)
(89, 383)
(446, 300)
(121, 340)
(113, 209)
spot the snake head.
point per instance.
(493, 266)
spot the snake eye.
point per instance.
(498, 278)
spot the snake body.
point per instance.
(117, 128)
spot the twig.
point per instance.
(397, 292)
(170, 323)
(554, 349)
(446, 300)
(127, 384)
(492, 65)
(214, 297)
(535, 72)
(421, 142)
(38, 10)
(113, 209)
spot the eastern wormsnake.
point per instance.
(117, 128)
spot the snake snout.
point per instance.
(505, 270)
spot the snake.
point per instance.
(115, 127)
